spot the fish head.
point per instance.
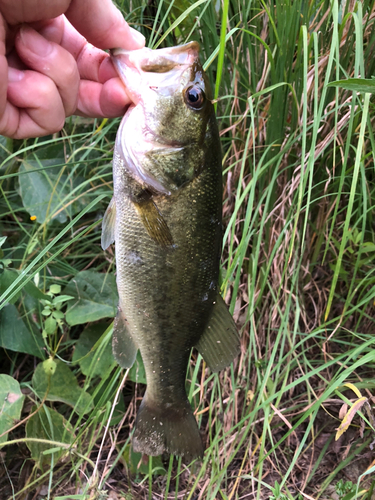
(170, 92)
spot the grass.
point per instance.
(297, 267)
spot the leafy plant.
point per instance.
(293, 91)
(54, 317)
(344, 487)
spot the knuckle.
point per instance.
(69, 71)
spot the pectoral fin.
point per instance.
(123, 347)
(154, 222)
(108, 225)
(220, 342)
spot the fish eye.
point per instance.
(194, 97)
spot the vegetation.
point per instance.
(297, 272)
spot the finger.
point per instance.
(108, 100)
(53, 61)
(103, 24)
(3, 68)
(3, 83)
(93, 64)
(27, 11)
(34, 106)
(113, 99)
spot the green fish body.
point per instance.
(165, 219)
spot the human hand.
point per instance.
(49, 71)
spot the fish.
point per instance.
(165, 219)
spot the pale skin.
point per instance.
(52, 65)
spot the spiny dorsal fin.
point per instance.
(154, 222)
(123, 347)
(108, 225)
(220, 342)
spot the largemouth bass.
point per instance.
(165, 219)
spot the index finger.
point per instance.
(93, 63)
(103, 24)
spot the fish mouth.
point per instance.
(153, 69)
(156, 61)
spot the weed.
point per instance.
(297, 271)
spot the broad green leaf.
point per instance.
(50, 325)
(5, 147)
(368, 247)
(61, 298)
(58, 314)
(11, 401)
(93, 363)
(15, 336)
(61, 386)
(95, 297)
(6, 279)
(138, 463)
(49, 366)
(55, 289)
(47, 423)
(137, 372)
(34, 291)
(356, 84)
(44, 190)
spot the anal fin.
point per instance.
(220, 342)
(108, 225)
(123, 347)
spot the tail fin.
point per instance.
(173, 430)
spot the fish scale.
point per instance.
(165, 219)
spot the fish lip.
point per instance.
(181, 55)
(172, 52)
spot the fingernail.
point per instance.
(15, 75)
(138, 37)
(35, 42)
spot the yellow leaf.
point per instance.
(354, 389)
(249, 396)
(347, 420)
